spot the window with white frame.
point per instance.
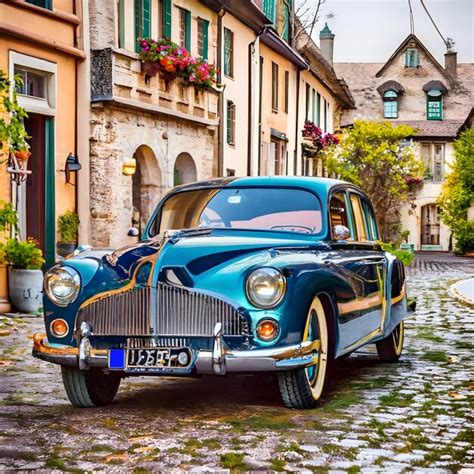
(433, 155)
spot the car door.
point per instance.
(363, 267)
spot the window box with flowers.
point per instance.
(314, 143)
(170, 61)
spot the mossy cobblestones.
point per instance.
(413, 415)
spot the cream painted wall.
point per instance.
(308, 78)
(237, 90)
(279, 120)
(411, 215)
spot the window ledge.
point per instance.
(54, 13)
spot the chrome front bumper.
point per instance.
(219, 361)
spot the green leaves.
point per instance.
(68, 225)
(21, 254)
(376, 157)
(8, 216)
(458, 193)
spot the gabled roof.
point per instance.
(420, 45)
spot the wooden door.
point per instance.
(35, 184)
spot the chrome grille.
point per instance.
(162, 311)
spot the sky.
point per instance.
(371, 30)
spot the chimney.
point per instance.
(326, 43)
(451, 63)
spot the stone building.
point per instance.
(43, 42)
(413, 88)
(168, 127)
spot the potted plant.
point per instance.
(25, 277)
(8, 220)
(68, 226)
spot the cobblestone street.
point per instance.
(416, 414)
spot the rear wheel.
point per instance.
(302, 388)
(90, 388)
(390, 348)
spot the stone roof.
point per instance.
(433, 128)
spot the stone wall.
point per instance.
(116, 134)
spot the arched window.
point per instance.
(434, 105)
(390, 104)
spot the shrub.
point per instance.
(68, 226)
(8, 216)
(465, 238)
(21, 254)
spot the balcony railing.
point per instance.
(116, 75)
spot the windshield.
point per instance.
(291, 210)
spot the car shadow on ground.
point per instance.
(201, 393)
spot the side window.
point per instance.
(371, 221)
(359, 218)
(338, 210)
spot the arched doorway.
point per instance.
(147, 186)
(184, 169)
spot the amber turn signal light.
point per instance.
(267, 330)
(59, 327)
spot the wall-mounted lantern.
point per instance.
(72, 166)
(129, 167)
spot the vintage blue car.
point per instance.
(258, 274)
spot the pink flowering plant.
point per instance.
(315, 141)
(166, 58)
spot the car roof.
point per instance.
(317, 184)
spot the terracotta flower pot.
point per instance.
(26, 287)
(22, 155)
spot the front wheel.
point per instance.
(390, 348)
(302, 388)
(90, 388)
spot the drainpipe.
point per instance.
(220, 133)
(254, 88)
(295, 160)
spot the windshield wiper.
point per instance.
(192, 232)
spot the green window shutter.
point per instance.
(146, 18)
(285, 34)
(187, 19)
(228, 52)
(205, 39)
(41, 3)
(50, 199)
(166, 15)
(318, 109)
(121, 24)
(434, 107)
(269, 8)
(142, 21)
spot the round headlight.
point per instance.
(266, 287)
(62, 285)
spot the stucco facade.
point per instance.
(48, 45)
(399, 92)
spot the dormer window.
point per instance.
(434, 99)
(411, 57)
(390, 104)
(434, 105)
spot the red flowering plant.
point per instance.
(166, 58)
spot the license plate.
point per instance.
(150, 358)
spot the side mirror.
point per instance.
(340, 232)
